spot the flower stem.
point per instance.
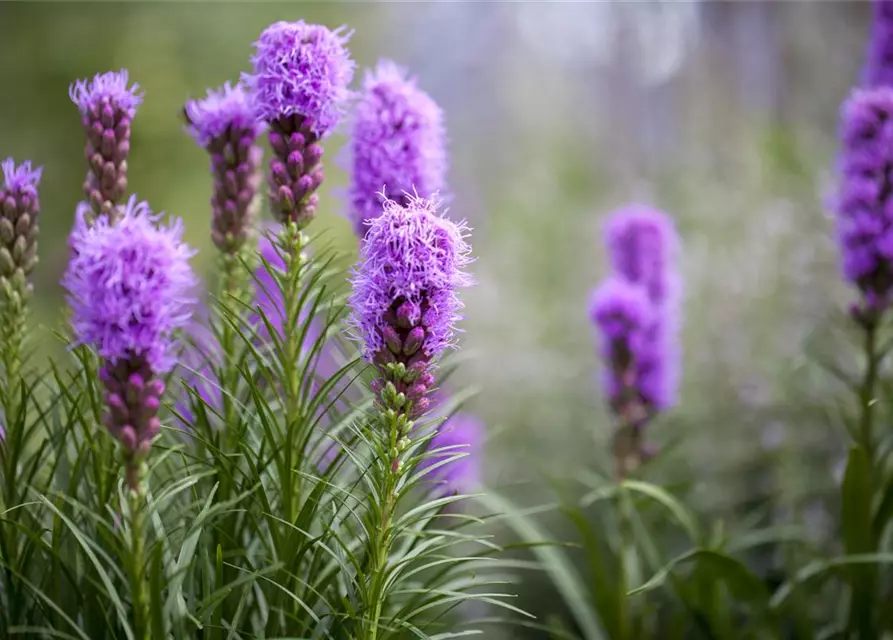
(381, 547)
(292, 242)
(138, 593)
(867, 393)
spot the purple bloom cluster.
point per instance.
(405, 303)
(643, 245)
(107, 107)
(462, 433)
(224, 123)
(19, 209)
(130, 286)
(622, 313)
(299, 85)
(878, 69)
(301, 69)
(398, 144)
(864, 204)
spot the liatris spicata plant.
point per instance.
(299, 83)
(225, 124)
(405, 308)
(636, 312)
(397, 144)
(878, 70)
(19, 210)
(129, 287)
(107, 105)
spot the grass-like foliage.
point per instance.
(263, 492)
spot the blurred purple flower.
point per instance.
(398, 144)
(405, 303)
(107, 107)
(643, 247)
(463, 433)
(224, 123)
(299, 85)
(878, 69)
(622, 313)
(864, 206)
(19, 210)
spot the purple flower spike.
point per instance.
(130, 286)
(19, 210)
(404, 302)
(864, 205)
(643, 246)
(398, 144)
(463, 433)
(623, 315)
(878, 69)
(224, 123)
(299, 83)
(302, 69)
(107, 107)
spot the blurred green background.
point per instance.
(723, 114)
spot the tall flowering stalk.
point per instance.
(397, 145)
(636, 312)
(298, 83)
(129, 287)
(404, 307)
(865, 225)
(225, 124)
(865, 237)
(107, 106)
(19, 210)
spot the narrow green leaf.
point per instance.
(557, 565)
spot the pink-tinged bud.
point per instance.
(392, 340)
(127, 436)
(414, 340)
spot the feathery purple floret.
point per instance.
(878, 69)
(299, 84)
(462, 433)
(864, 212)
(643, 247)
(301, 69)
(224, 123)
(398, 143)
(19, 212)
(228, 107)
(405, 303)
(412, 266)
(20, 179)
(107, 107)
(108, 88)
(130, 286)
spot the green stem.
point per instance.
(868, 388)
(293, 243)
(861, 614)
(138, 593)
(380, 552)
